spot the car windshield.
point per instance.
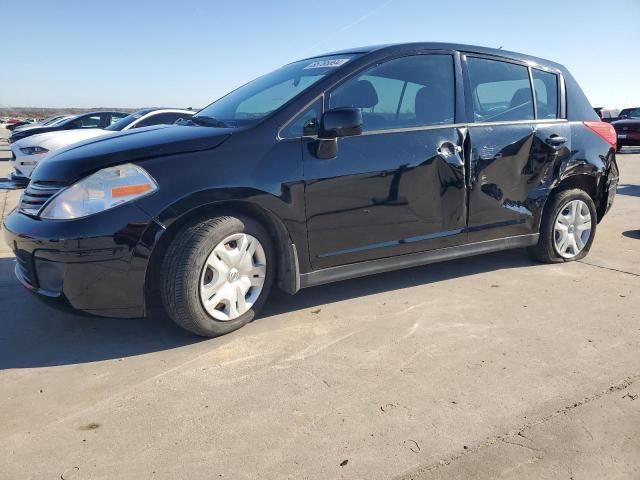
(124, 122)
(258, 98)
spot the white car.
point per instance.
(30, 151)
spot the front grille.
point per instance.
(36, 195)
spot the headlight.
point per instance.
(101, 191)
(33, 150)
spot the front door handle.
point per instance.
(556, 140)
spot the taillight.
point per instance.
(605, 130)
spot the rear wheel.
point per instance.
(217, 274)
(568, 228)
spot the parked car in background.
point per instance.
(15, 123)
(28, 152)
(329, 168)
(46, 122)
(626, 112)
(86, 120)
(628, 130)
(606, 114)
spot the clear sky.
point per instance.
(125, 53)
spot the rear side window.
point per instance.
(412, 91)
(546, 87)
(501, 91)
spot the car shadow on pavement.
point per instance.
(388, 282)
(631, 190)
(629, 150)
(33, 334)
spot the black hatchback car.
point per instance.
(328, 168)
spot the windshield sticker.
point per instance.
(327, 63)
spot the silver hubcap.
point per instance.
(233, 277)
(572, 229)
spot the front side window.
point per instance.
(257, 99)
(501, 91)
(92, 121)
(306, 123)
(635, 113)
(412, 91)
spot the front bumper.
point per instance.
(96, 264)
(24, 165)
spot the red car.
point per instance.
(628, 130)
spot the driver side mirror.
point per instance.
(341, 122)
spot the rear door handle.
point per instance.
(450, 153)
(556, 140)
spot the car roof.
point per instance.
(443, 46)
(146, 111)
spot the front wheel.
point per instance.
(568, 228)
(217, 274)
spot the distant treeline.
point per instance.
(50, 112)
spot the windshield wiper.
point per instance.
(208, 121)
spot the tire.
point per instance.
(188, 271)
(547, 250)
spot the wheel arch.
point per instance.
(591, 182)
(287, 274)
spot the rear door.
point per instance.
(399, 186)
(514, 141)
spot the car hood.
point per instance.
(31, 130)
(627, 122)
(81, 159)
(28, 126)
(55, 140)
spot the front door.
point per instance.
(399, 187)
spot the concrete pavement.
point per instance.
(487, 367)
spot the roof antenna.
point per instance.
(500, 47)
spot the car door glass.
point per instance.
(501, 91)
(306, 123)
(160, 119)
(413, 91)
(546, 87)
(89, 122)
(116, 117)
